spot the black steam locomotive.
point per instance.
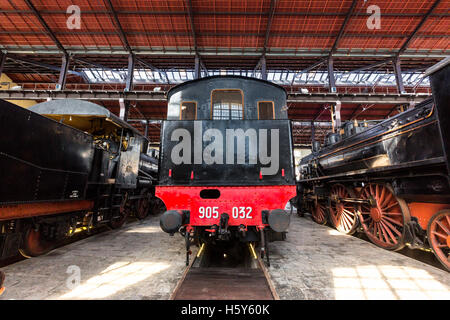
(226, 162)
(389, 180)
(67, 166)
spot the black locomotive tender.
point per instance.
(68, 165)
(389, 180)
(227, 166)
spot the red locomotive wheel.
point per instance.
(33, 244)
(343, 214)
(439, 236)
(143, 205)
(318, 213)
(384, 220)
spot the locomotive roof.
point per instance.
(438, 66)
(177, 87)
(74, 107)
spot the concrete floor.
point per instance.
(317, 262)
(139, 261)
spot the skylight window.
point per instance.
(282, 77)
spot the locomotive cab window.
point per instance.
(266, 110)
(227, 104)
(188, 110)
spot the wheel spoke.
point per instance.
(349, 213)
(386, 238)
(439, 234)
(383, 192)
(391, 236)
(443, 227)
(343, 224)
(375, 229)
(380, 234)
(346, 220)
(350, 221)
(387, 207)
(393, 221)
(393, 213)
(387, 200)
(348, 216)
(387, 224)
(369, 227)
(447, 217)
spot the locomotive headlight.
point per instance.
(279, 220)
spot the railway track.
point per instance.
(210, 278)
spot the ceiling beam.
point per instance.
(218, 34)
(417, 28)
(41, 64)
(191, 22)
(343, 26)
(194, 37)
(247, 52)
(273, 4)
(45, 26)
(152, 67)
(122, 34)
(262, 60)
(217, 13)
(313, 66)
(64, 69)
(375, 65)
(105, 95)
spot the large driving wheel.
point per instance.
(384, 219)
(34, 244)
(143, 205)
(319, 213)
(439, 236)
(343, 214)
(157, 206)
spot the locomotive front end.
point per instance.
(226, 165)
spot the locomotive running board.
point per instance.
(352, 174)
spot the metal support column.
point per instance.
(197, 68)
(263, 68)
(313, 133)
(398, 74)
(129, 83)
(2, 62)
(124, 108)
(146, 129)
(331, 78)
(63, 72)
(336, 116)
